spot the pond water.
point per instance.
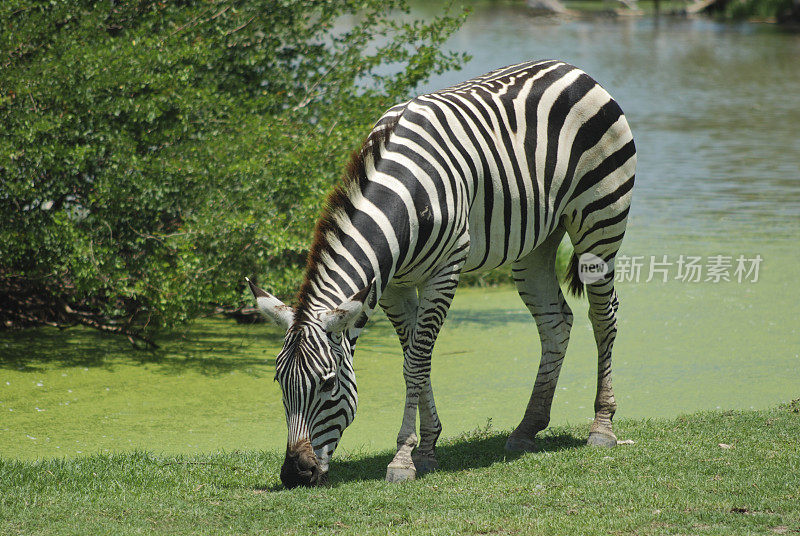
(715, 111)
(714, 108)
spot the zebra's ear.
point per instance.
(271, 307)
(344, 316)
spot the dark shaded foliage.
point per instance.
(154, 153)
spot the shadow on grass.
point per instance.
(474, 450)
(211, 347)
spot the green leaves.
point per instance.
(743, 9)
(154, 153)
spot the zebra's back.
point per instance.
(507, 157)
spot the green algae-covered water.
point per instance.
(681, 347)
(715, 112)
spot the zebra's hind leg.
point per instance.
(595, 220)
(603, 306)
(536, 281)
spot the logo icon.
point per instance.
(591, 268)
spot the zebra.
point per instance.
(490, 172)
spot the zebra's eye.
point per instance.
(328, 383)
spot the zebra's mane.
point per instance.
(339, 200)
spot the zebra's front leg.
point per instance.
(416, 457)
(400, 305)
(408, 462)
(429, 430)
(419, 396)
(434, 299)
(402, 465)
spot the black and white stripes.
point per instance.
(490, 172)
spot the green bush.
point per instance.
(743, 9)
(153, 153)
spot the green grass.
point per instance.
(674, 479)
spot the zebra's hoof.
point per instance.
(400, 473)
(600, 439)
(520, 444)
(425, 464)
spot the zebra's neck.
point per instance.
(350, 251)
(355, 243)
(332, 281)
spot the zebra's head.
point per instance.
(315, 372)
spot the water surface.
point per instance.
(714, 108)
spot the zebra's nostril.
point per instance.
(294, 476)
(300, 467)
(306, 464)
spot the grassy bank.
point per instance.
(707, 473)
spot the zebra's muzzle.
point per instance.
(301, 467)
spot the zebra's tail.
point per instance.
(574, 283)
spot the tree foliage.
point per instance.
(781, 10)
(786, 11)
(153, 153)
